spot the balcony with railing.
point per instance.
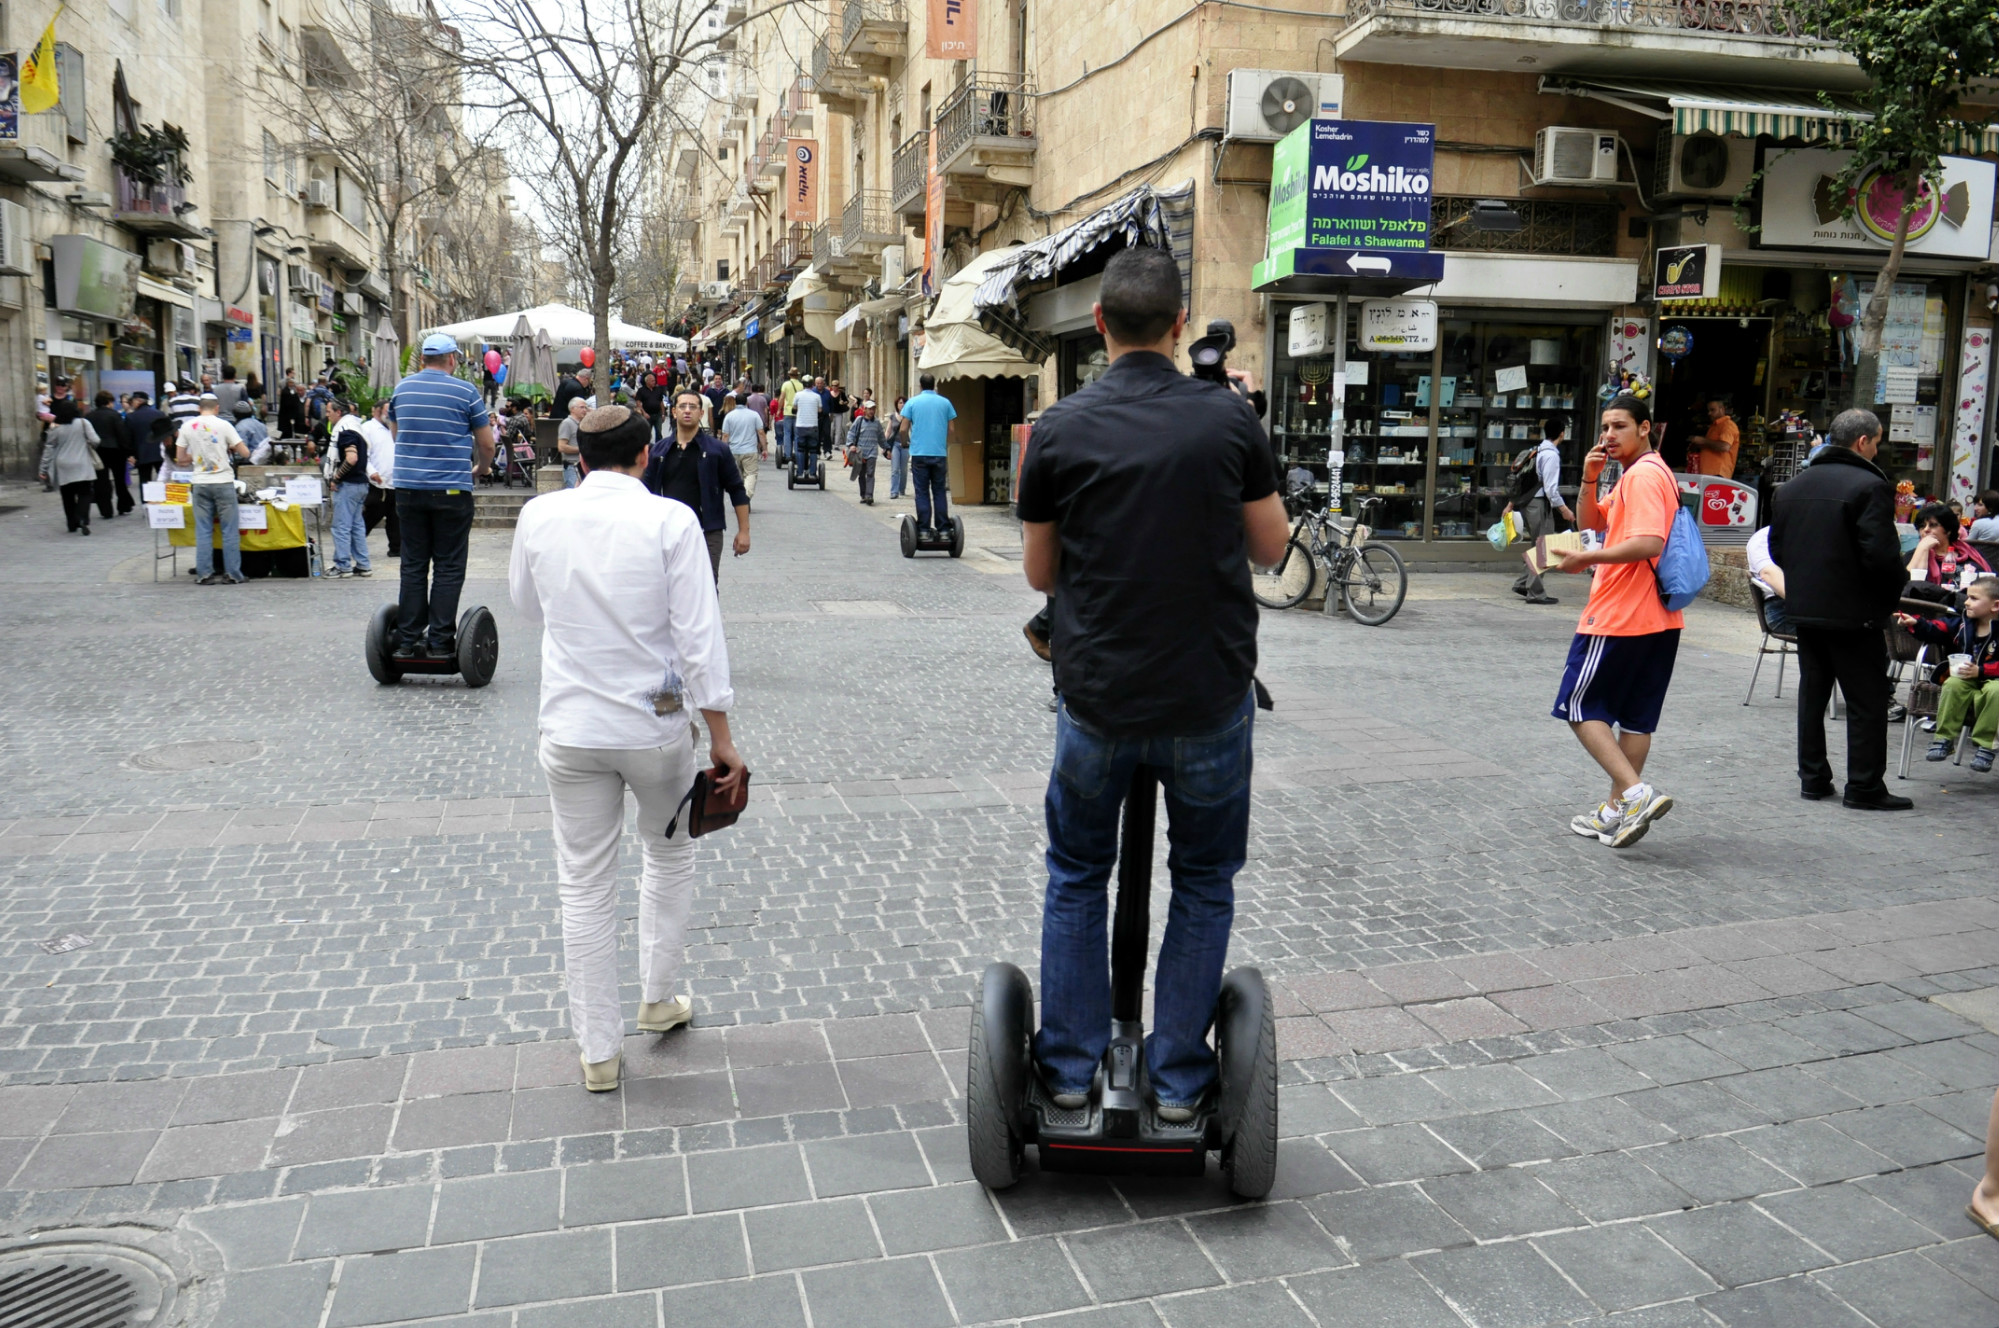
(1772, 41)
(838, 82)
(156, 209)
(908, 173)
(985, 134)
(344, 239)
(874, 32)
(867, 224)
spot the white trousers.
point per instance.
(586, 791)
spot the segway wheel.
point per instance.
(378, 645)
(791, 477)
(908, 537)
(478, 646)
(1246, 1043)
(957, 536)
(822, 474)
(996, 1069)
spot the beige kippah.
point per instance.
(604, 419)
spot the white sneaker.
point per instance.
(1636, 814)
(664, 1016)
(1600, 824)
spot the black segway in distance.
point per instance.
(808, 468)
(915, 540)
(475, 659)
(1117, 1132)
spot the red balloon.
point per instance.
(492, 361)
(588, 355)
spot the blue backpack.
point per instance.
(1682, 566)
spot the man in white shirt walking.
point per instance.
(382, 476)
(1538, 481)
(631, 644)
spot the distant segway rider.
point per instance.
(1145, 498)
(444, 437)
(930, 414)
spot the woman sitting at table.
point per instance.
(1941, 557)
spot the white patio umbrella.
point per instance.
(520, 361)
(542, 358)
(384, 357)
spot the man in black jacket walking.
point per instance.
(114, 448)
(1832, 531)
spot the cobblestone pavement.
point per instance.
(315, 1056)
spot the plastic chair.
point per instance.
(1787, 642)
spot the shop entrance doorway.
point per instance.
(1727, 357)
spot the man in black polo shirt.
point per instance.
(1145, 496)
(692, 467)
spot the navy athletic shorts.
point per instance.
(1619, 680)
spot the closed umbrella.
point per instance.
(520, 359)
(384, 359)
(543, 359)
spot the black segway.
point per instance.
(477, 655)
(915, 541)
(807, 469)
(1007, 1107)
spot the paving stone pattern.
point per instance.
(318, 1036)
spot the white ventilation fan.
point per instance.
(1567, 155)
(1267, 104)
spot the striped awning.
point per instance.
(1161, 218)
(1789, 115)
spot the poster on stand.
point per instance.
(1974, 369)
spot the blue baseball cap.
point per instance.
(440, 343)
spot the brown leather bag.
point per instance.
(707, 807)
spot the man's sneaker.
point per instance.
(364, 571)
(1636, 814)
(1939, 750)
(406, 652)
(1897, 713)
(1600, 824)
(212, 579)
(339, 573)
(665, 1016)
(1174, 1115)
(601, 1076)
(1981, 759)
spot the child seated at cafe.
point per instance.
(1969, 674)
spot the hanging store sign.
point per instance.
(801, 174)
(933, 219)
(1352, 184)
(1398, 325)
(10, 97)
(1308, 330)
(94, 278)
(1952, 217)
(1687, 272)
(953, 30)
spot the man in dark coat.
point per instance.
(1832, 531)
(114, 448)
(142, 436)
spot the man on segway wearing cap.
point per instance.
(1145, 497)
(444, 438)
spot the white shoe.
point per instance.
(1600, 824)
(1636, 813)
(664, 1016)
(601, 1076)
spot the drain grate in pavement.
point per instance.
(194, 756)
(66, 1295)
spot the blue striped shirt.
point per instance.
(435, 416)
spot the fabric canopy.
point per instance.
(954, 343)
(565, 325)
(1160, 218)
(1785, 114)
(821, 306)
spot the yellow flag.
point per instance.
(40, 88)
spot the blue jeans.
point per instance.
(1206, 782)
(805, 451)
(572, 474)
(350, 526)
(215, 505)
(932, 476)
(898, 470)
(783, 426)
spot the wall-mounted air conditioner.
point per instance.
(1565, 155)
(170, 258)
(1267, 104)
(319, 194)
(1702, 165)
(714, 292)
(301, 280)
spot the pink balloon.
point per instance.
(492, 361)
(588, 356)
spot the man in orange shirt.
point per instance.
(1621, 661)
(1714, 453)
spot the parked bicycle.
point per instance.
(1368, 577)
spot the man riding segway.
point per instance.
(1145, 498)
(444, 438)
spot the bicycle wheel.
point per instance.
(1374, 582)
(1288, 582)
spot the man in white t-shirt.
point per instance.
(382, 476)
(808, 407)
(743, 430)
(207, 443)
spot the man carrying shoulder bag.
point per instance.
(631, 645)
